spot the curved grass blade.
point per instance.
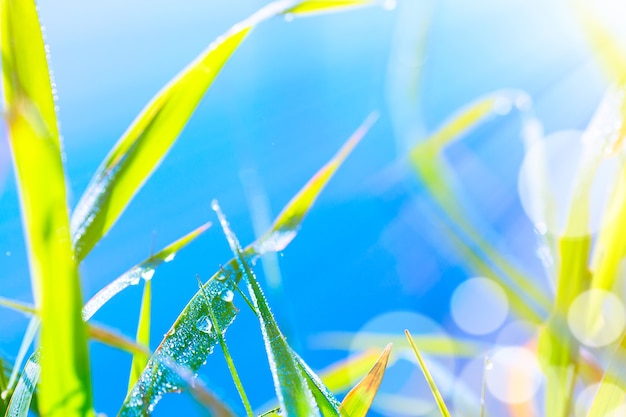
(23, 394)
(426, 159)
(327, 6)
(146, 142)
(144, 270)
(140, 359)
(294, 395)
(65, 388)
(185, 343)
(431, 383)
(359, 400)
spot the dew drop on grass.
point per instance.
(488, 364)
(170, 257)
(204, 324)
(227, 295)
(147, 274)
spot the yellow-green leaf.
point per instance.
(65, 388)
(431, 383)
(358, 401)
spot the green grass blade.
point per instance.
(229, 360)
(184, 343)
(431, 383)
(140, 359)
(146, 142)
(359, 400)
(27, 341)
(327, 6)
(65, 388)
(116, 340)
(341, 376)
(144, 271)
(287, 223)
(25, 389)
(292, 389)
(426, 159)
(4, 383)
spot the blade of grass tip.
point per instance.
(229, 360)
(358, 401)
(294, 395)
(116, 340)
(153, 132)
(140, 359)
(185, 343)
(341, 376)
(431, 383)
(21, 399)
(27, 341)
(144, 270)
(151, 135)
(65, 388)
(288, 222)
(198, 389)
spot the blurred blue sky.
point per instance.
(285, 102)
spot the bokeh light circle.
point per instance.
(404, 390)
(479, 306)
(585, 398)
(547, 179)
(515, 376)
(603, 329)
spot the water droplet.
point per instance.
(170, 257)
(488, 364)
(227, 295)
(289, 17)
(204, 324)
(4, 395)
(389, 4)
(147, 274)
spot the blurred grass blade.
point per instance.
(146, 142)
(434, 344)
(185, 343)
(144, 271)
(27, 341)
(426, 159)
(65, 388)
(431, 383)
(25, 389)
(140, 359)
(359, 400)
(327, 6)
(288, 221)
(612, 391)
(19, 306)
(292, 389)
(116, 340)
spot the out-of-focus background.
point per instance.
(371, 255)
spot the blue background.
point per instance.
(285, 102)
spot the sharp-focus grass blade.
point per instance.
(4, 383)
(144, 270)
(440, 182)
(341, 376)
(140, 359)
(36, 149)
(431, 383)
(23, 394)
(27, 341)
(288, 221)
(275, 412)
(116, 340)
(186, 343)
(292, 389)
(359, 400)
(146, 142)
(325, 400)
